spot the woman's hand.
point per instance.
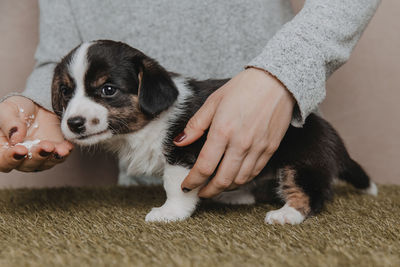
(22, 120)
(247, 119)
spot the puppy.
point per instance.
(108, 92)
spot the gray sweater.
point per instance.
(211, 38)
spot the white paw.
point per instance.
(286, 214)
(371, 190)
(236, 198)
(167, 213)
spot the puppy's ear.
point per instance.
(56, 99)
(157, 91)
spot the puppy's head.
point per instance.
(105, 88)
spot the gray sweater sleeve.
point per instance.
(55, 41)
(310, 47)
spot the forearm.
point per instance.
(309, 48)
(38, 86)
(58, 35)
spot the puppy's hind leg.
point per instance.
(179, 205)
(303, 192)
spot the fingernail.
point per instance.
(180, 137)
(186, 190)
(44, 153)
(18, 156)
(12, 131)
(56, 156)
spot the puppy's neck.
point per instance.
(141, 152)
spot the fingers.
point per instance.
(207, 161)
(199, 123)
(247, 169)
(64, 148)
(37, 156)
(46, 155)
(262, 161)
(238, 167)
(226, 173)
(13, 127)
(13, 130)
(11, 158)
(40, 157)
(60, 154)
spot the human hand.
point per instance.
(22, 120)
(247, 119)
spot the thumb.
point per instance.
(12, 125)
(199, 123)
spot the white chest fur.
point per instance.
(141, 153)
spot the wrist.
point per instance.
(275, 83)
(20, 102)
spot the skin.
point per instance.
(247, 117)
(53, 150)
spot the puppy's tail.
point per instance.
(354, 174)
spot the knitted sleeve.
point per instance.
(310, 47)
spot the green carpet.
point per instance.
(105, 226)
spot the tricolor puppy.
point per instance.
(108, 92)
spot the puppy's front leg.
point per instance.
(179, 205)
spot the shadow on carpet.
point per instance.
(105, 226)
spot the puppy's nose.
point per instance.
(77, 124)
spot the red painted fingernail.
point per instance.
(18, 156)
(44, 153)
(12, 131)
(180, 137)
(57, 156)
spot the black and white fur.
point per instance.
(108, 92)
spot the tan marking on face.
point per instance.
(99, 81)
(130, 118)
(292, 193)
(140, 78)
(60, 78)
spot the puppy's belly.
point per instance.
(261, 188)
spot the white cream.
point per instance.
(29, 144)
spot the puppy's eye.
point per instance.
(108, 91)
(65, 91)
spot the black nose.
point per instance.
(77, 124)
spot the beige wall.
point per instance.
(362, 99)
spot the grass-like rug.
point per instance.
(105, 226)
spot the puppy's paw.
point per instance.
(284, 215)
(371, 190)
(166, 213)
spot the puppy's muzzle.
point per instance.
(77, 124)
